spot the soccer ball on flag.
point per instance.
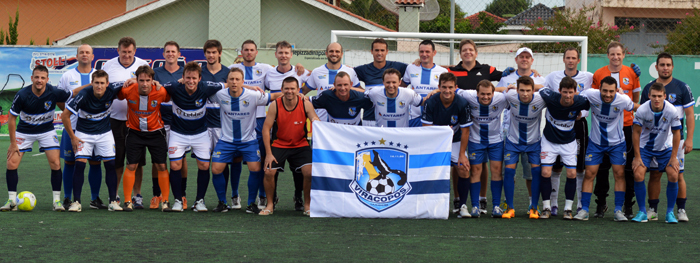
(380, 186)
(26, 201)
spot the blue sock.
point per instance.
(12, 180)
(496, 190)
(78, 180)
(654, 204)
(111, 180)
(463, 185)
(535, 186)
(236, 169)
(570, 188)
(640, 190)
(176, 183)
(68, 180)
(56, 180)
(671, 195)
(680, 202)
(95, 180)
(509, 186)
(475, 188)
(254, 181)
(203, 183)
(220, 186)
(546, 188)
(586, 200)
(619, 200)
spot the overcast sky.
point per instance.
(472, 6)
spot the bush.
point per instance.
(683, 40)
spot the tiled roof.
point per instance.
(474, 19)
(531, 15)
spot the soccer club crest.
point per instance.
(672, 97)
(47, 105)
(402, 104)
(572, 114)
(494, 108)
(380, 180)
(616, 109)
(258, 72)
(580, 87)
(626, 81)
(245, 103)
(154, 103)
(107, 104)
(454, 119)
(534, 108)
(352, 111)
(199, 103)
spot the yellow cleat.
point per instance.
(534, 214)
(510, 213)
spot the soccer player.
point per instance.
(486, 141)
(627, 80)
(584, 80)
(656, 136)
(35, 106)
(424, 78)
(189, 129)
(290, 143)
(122, 68)
(450, 110)
(392, 104)
(680, 95)
(342, 103)
(608, 138)
(559, 140)
(372, 74)
(71, 80)
(526, 111)
(93, 136)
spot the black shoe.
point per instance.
(298, 204)
(97, 204)
(455, 203)
(66, 203)
(252, 209)
(600, 211)
(221, 208)
(628, 210)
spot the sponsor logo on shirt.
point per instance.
(380, 103)
(478, 73)
(73, 83)
(321, 76)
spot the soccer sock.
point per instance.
(254, 181)
(236, 169)
(535, 186)
(227, 174)
(56, 181)
(261, 190)
(203, 183)
(546, 188)
(481, 197)
(219, 185)
(554, 193)
(298, 184)
(579, 186)
(619, 200)
(12, 180)
(128, 183)
(641, 192)
(671, 195)
(475, 188)
(569, 192)
(585, 200)
(164, 185)
(680, 202)
(156, 187)
(509, 186)
(78, 180)
(654, 204)
(68, 180)
(13, 195)
(463, 185)
(95, 180)
(496, 190)
(111, 180)
(183, 184)
(176, 182)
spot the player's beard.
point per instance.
(665, 78)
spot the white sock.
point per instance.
(545, 204)
(529, 199)
(555, 188)
(579, 186)
(568, 204)
(13, 196)
(482, 198)
(56, 196)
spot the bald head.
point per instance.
(84, 55)
(334, 53)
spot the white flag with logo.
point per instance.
(374, 172)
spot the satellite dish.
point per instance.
(428, 11)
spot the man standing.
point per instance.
(424, 78)
(342, 103)
(392, 104)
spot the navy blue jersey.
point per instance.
(679, 94)
(189, 111)
(93, 113)
(164, 76)
(213, 108)
(36, 113)
(343, 112)
(559, 128)
(457, 115)
(372, 77)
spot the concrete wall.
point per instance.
(233, 22)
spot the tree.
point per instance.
(11, 36)
(441, 24)
(683, 40)
(508, 8)
(487, 25)
(373, 11)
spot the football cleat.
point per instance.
(221, 207)
(628, 210)
(58, 206)
(252, 209)
(455, 204)
(177, 206)
(298, 204)
(582, 215)
(497, 212)
(75, 207)
(165, 207)
(555, 210)
(510, 213)
(568, 215)
(464, 212)
(476, 212)
(138, 201)
(682, 215)
(619, 216)
(155, 201)
(199, 206)
(184, 203)
(600, 211)
(235, 203)
(641, 217)
(114, 206)
(66, 203)
(652, 215)
(10, 205)
(128, 207)
(97, 204)
(482, 206)
(546, 213)
(262, 202)
(671, 218)
(533, 213)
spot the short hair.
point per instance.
(485, 83)
(291, 79)
(192, 67)
(657, 87)
(342, 74)
(282, 44)
(212, 43)
(100, 74)
(427, 42)
(525, 80)
(145, 69)
(567, 83)
(608, 80)
(341, 47)
(172, 43)
(236, 70)
(126, 42)
(615, 44)
(467, 42)
(447, 76)
(572, 49)
(41, 68)
(249, 41)
(664, 55)
(391, 71)
(379, 41)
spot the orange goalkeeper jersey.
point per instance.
(143, 112)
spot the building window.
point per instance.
(650, 25)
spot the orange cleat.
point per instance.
(155, 202)
(184, 203)
(510, 213)
(534, 214)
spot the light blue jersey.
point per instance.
(422, 81)
(487, 118)
(393, 112)
(238, 114)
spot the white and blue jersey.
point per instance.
(254, 76)
(164, 76)
(238, 114)
(119, 73)
(584, 80)
(36, 113)
(71, 80)
(678, 93)
(213, 112)
(274, 78)
(94, 113)
(322, 78)
(608, 118)
(457, 115)
(559, 128)
(487, 118)
(525, 119)
(189, 111)
(657, 126)
(393, 112)
(342, 112)
(422, 81)
(372, 77)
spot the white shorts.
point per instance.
(550, 151)
(680, 156)
(455, 153)
(214, 136)
(102, 145)
(167, 132)
(47, 141)
(179, 143)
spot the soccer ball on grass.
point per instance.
(26, 201)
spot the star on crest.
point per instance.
(382, 141)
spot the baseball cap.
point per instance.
(523, 49)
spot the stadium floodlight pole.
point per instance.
(452, 31)
(582, 40)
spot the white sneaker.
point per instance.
(199, 206)
(235, 203)
(165, 207)
(58, 206)
(75, 207)
(652, 215)
(464, 212)
(682, 215)
(262, 203)
(177, 206)
(114, 206)
(10, 205)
